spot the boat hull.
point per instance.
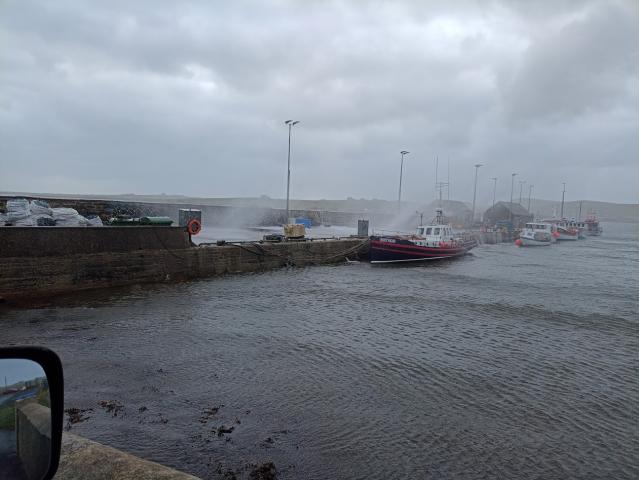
(567, 236)
(531, 242)
(395, 250)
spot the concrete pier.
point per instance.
(494, 237)
(82, 458)
(34, 268)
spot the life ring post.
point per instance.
(194, 226)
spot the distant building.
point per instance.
(507, 212)
(456, 212)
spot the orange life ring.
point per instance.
(194, 226)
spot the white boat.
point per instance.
(536, 234)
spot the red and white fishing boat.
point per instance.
(430, 242)
(564, 230)
(592, 225)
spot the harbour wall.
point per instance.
(213, 215)
(35, 268)
(65, 241)
(494, 237)
(82, 458)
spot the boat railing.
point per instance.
(392, 232)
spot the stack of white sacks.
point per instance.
(19, 212)
(41, 214)
(22, 213)
(94, 221)
(68, 217)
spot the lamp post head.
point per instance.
(514, 174)
(404, 152)
(291, 122)
(477, 165)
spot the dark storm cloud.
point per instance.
(189, 97)
(588, 65)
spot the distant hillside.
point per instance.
(607, 212)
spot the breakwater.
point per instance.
(42, 262)
(212, 215)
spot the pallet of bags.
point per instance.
(68, 217)
(25, 222)
(94, 220)
(43, 220)
(40, 207)
(18, 211)
(41, 213)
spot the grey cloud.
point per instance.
(586, 65)
(189, 97)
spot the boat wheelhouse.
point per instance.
(537, 234)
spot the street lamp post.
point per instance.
(401, 173)
(421, 218)
(521, 188)
(512, 187)
(563, 194)
(530, 189)
(477, 165)
(290, 124)
(494, 179)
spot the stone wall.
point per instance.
(62, 241)
(26, 277)
(33, 438)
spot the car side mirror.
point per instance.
(31, 411)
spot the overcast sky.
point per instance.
(149, 96)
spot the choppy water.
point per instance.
(510, 363)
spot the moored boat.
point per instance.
(563, 229)
(536, 234)
(592, 226)
(566, 232)
(579, 226)
(430, 242)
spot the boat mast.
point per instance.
(579, 218)
(448, 182)
(437, 180)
